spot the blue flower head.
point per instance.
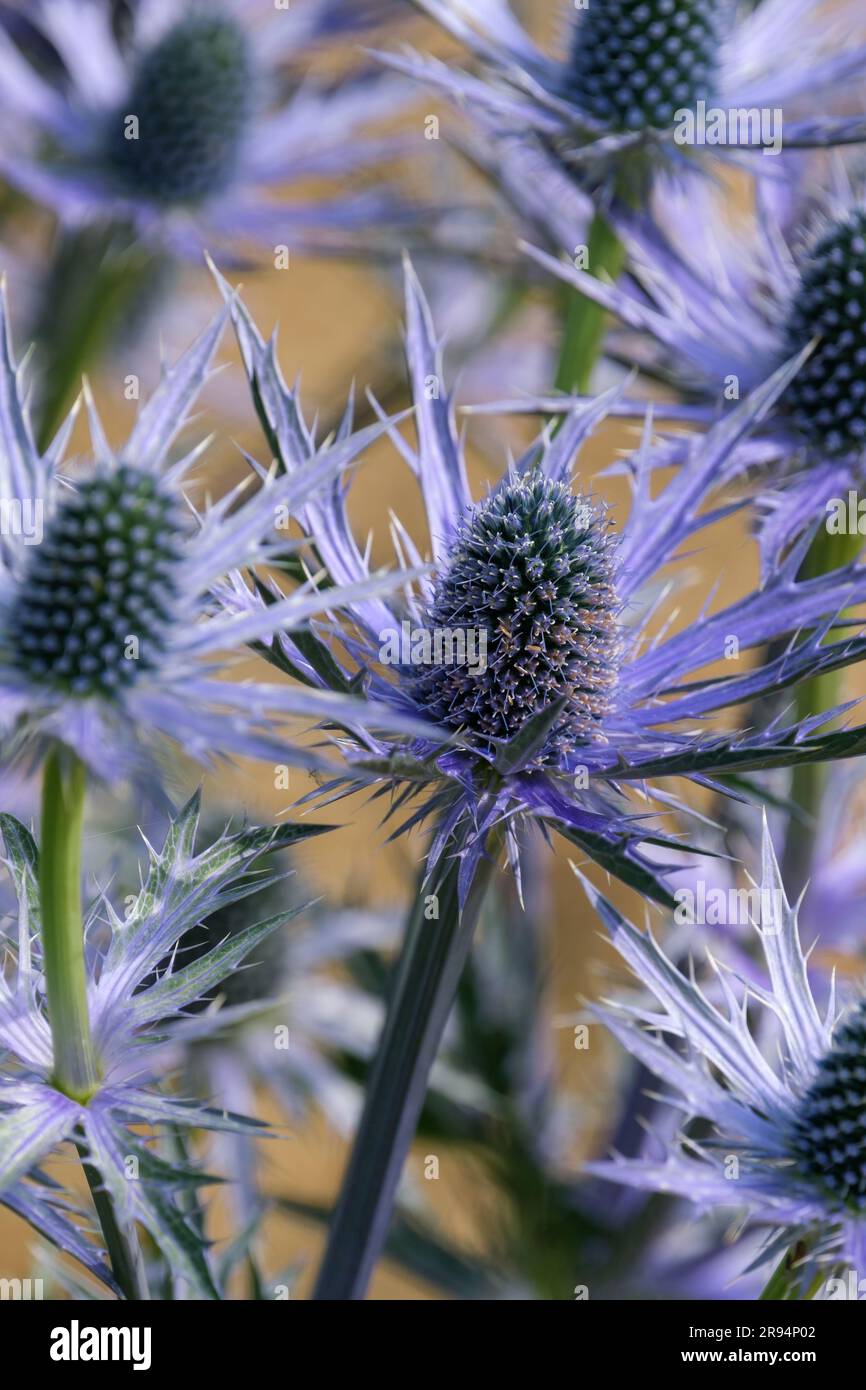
(610, 105)
(188, 149)
(715, 322)
(109, 631)
(556, 700)
(827, 399)
(178, 122)
(633, 64)
(532, 568)
(787, 1134)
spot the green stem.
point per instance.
(95, 285)
(425, 985)
(64, 784)
(124, 1251)
(63, 790)
(785, 1284)
(827, 552)
(583, 329)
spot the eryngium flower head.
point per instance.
(714, 308)
(782, 1087)
(635, 63)
(531, 568)
(615, 104)
(107, 567)
(529, 564)
(192, 94)
(827, 400)
(108, 629)
(133, 1004)
(180, 122)
(829, 1140)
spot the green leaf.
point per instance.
(788, 751)
(150, 1203)
(193, 981)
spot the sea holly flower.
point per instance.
(108, 633)
(179, 124)
(639, 82)
(572, 701)
(713, 309)
(132, 1000)
(786, 1137)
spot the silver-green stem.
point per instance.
(426, 979)
(63, 791)
(76, 1072)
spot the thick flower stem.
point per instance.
(434, 953)
(63, 789)
(124, 1251)
(97, 283)
(64, 783)
(583, 330)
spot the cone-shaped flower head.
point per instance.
(637, 86)
(827, 400)
(829, 1133)
(105, 577)
(192, 97)
(109, 632)
(532, 570)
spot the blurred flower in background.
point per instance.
(712, 303)
(611, 105)
(156, 130)
(174, 118)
